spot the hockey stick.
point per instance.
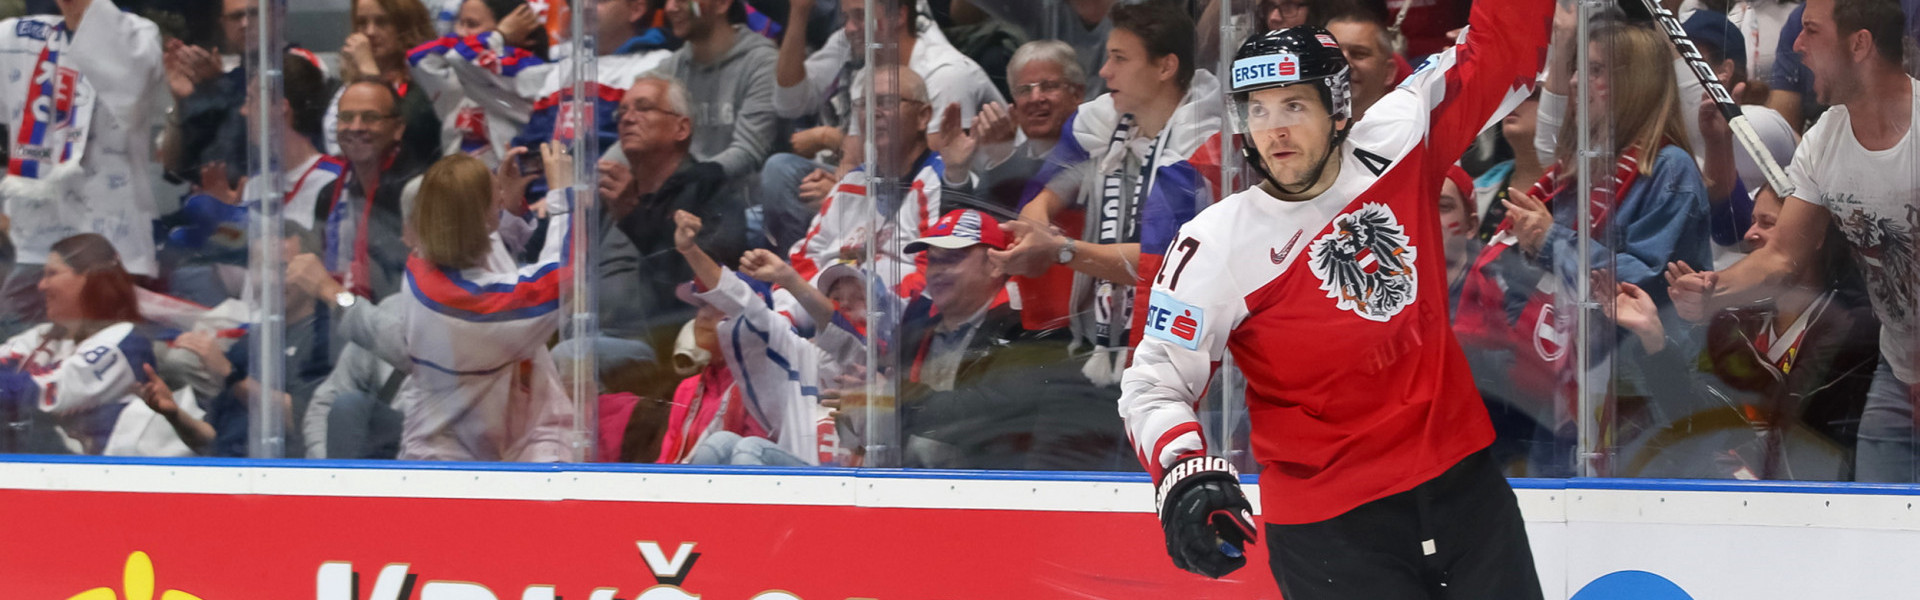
(1742, 130)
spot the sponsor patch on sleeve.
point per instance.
(1175, 321)
(1271, 68)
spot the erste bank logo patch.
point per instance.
(1270, 68)
(1175, 321)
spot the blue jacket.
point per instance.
(1663, 218)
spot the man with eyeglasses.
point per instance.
(1047, 83)
(640, 313)
(818, 89)
(79, 114)
(631, 41)
(912, 203)
(361, 213)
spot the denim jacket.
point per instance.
(1663, 218)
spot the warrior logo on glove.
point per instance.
(1206, 518)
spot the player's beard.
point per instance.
(1307, 169)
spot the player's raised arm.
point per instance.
(1195, 305)
(1484, 77)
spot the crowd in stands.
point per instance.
(941, 258)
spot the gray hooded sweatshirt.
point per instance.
(733, 117)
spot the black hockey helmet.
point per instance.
(1292, 56)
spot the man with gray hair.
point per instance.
(1005, 147)
(844, 225)
(639, 310)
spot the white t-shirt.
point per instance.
(1875, 200)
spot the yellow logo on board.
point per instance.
(137, 584)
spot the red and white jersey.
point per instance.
(844, 224)
(1335, 308)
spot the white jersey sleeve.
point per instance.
(120, 55)
(777, 370)
(102, 369)
(1196, 305)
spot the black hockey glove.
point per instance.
(1207, 519)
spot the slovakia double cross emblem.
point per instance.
(1365, 263)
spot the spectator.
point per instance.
(1758, 23)
(1661, 219)
(1790, 87)
(208, 88)
(481, 122)
(1368, 45)
(816, 85)
(310, 354)
(1559, 83)
(775, 369)
(1853, 169)
(632, 41)
(351, 413)
(1276, 15)
(205, 248)
(1138, 162)
(707, 405)
(833, 312)
(972, 378)
(841, 229)
(97, 149)
(1047, 84)
(476, 326)
(361, 213)
(1459, 219)
(656, 129)
(1490, 189)
(728, 70)
(1784, 380)
(1657, 214)
(1081, 24)
(299, 115)
(1732, 176)
(824, 87)
(77, 376)
(383, 30)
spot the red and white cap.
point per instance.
(961, 229)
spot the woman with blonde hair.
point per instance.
(1648, 208)
(476, 324)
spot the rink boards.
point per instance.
(341, 530)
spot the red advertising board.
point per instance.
(59, 544)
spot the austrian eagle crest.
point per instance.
(1365, 263)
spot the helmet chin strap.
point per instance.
(1334, 140)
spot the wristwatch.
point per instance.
(1066, 252)
(345, 300)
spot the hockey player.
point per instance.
(1371, 437)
